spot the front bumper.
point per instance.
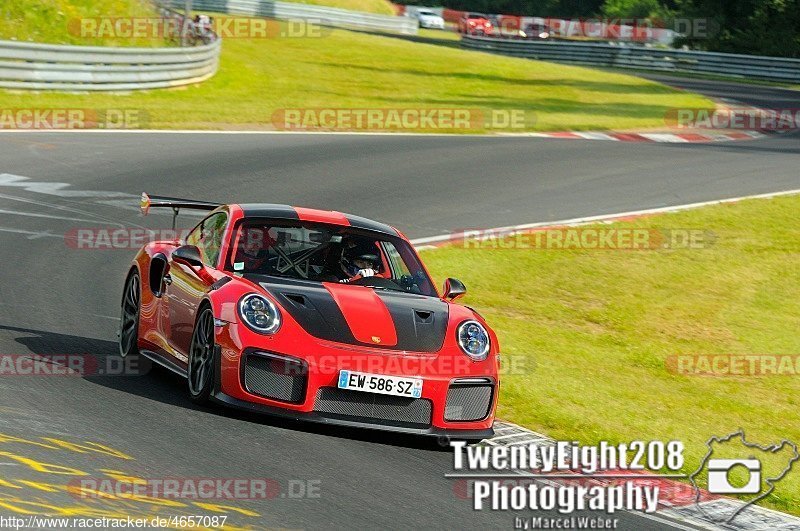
(322, 371)
(432, 431)
(431, 24)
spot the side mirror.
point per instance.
(188, 255)
(453, 289)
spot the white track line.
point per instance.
(32, 235)
(46, 216)
(555, 135)
(425, 243)
(264, 132)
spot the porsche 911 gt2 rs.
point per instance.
(310, 314)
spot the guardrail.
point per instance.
(35, 66)
(97, 68)
(643, 58)
(326, 16)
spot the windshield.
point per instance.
(327, 253)
(427, 13)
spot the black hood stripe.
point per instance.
(420, 322)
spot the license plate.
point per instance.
(378, 383)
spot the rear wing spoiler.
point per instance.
(157, 201)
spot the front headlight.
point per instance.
(259, 313)
(473, 340)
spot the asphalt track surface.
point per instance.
(55, 299)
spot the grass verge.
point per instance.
(435, 35)
(379, 7)
(58, 21)
(598, 329)
(710, 77)
(343, 69)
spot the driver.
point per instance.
(253, 243)
(362, 266)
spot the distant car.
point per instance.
(536, 31)
(429, 19)
(310, 315)
(475, 24)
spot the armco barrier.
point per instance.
(81, 68)
(327, 16)
(97, 68)
(644, 58)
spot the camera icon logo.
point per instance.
(720, 479)
(733, 468)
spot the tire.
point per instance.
(201, 358)
(129, 318)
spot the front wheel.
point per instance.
(201, 358)
(129, 320)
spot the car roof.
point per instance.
(287, 212)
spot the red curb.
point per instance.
(630, 137)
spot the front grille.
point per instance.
(468, 402)
(373, 408)
(275, 377)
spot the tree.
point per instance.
(533, 8)
(758, 27)
(638, 9)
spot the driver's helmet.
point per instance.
(363, 261)
(254, 240)
(359, 254)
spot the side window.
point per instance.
(193, 238)
(396, 262)
(207, 236)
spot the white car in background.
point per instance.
(429, 19)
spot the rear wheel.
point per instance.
(129, 320)
(201, 358)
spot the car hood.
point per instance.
(358, 315)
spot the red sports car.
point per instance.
(313, 315)
(475, 24)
